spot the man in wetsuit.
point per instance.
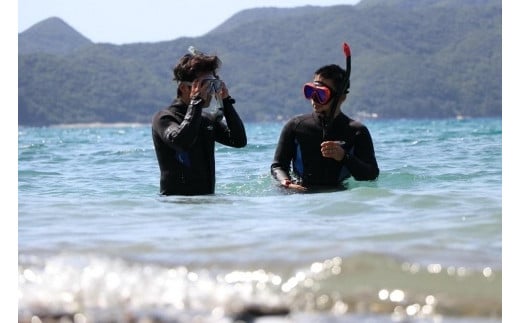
(184, 135)
(324, 147)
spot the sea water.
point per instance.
(422, 243)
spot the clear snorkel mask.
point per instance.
(215, 87)
(216, 84)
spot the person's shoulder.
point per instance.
(359, 127)
(170, 113)
(160, 113)
(300, 117)
(353, 123)
(356, 124)
(297, 120)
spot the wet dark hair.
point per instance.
(336, 74)
(190, 66)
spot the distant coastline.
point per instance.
(99, 125)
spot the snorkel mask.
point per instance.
(318, 92)
(215, 84)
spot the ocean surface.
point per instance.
(423, 243)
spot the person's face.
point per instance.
(322, 108)
(185, 91)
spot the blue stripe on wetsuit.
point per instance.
(298, 160)
(183, 158)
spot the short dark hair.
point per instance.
(190, 66)
(336, 74)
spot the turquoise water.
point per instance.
(423, 243)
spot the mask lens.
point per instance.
(214, 85)
(308, 91)
(320, 94)
(217, 85)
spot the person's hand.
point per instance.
(200, 89)
(224, 93)
(332, 149)
(287, 183)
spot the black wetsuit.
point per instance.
(184, 139)
(300, 145)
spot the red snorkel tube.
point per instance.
(344, 90)
(346, 51)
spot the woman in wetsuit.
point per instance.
(323, 148)
(184, 136)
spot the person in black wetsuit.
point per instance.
(323, 148)
(184, 135)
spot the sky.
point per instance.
(132, 21)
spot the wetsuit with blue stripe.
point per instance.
(299, 152)
(184, 139)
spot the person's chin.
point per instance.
(318, 110)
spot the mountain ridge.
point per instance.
(53, 36)
(399, 56)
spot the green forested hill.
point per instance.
(53, 36)
(410, 59)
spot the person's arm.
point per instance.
(180, 135)
(361, 159)
(282, 159)
(232, 132)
